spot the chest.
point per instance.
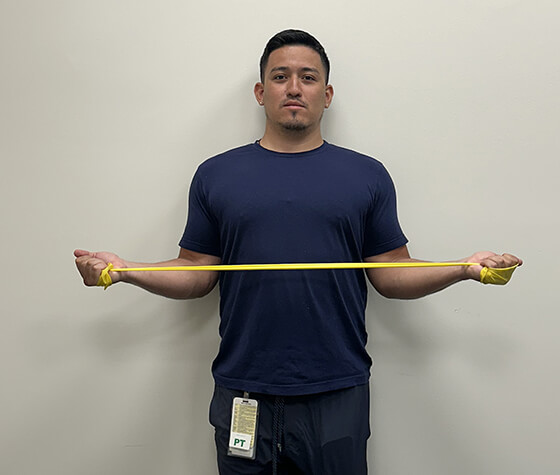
(290, 193)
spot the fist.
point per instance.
(90, 265)
(492, 260)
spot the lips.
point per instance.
(293, 104)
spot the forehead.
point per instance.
(295, 57)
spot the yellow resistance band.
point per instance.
(496, 276)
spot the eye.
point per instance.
(279, 77)
(309, 77)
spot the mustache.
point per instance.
(293, 102)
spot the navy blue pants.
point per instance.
(318, 434)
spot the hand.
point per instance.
(489, 259)
(90, 265)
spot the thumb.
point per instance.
(82, 252)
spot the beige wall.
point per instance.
(107, 107)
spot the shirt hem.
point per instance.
(399, 241)
(291, 389)
(196, 247)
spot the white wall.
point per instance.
(106, 109)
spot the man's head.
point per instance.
(294, 89)
(294, 38)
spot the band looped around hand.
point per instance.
(496, 276)
(105, 279)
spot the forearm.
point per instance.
(415, 282)
(171, 284)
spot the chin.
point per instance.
(295, 126)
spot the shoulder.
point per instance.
(357, 157)
(225, 158)
(225, 164)
(357, 162)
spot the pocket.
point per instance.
(212, 409)
(219, 413)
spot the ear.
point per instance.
(329, 94)
(259, 93)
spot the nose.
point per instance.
(293, 87)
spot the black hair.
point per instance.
(294, 37)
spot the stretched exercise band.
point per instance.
(488, 275)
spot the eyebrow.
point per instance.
(304, 69)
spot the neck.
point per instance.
(291, 141)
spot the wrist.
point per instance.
(470, 271)
(120, 276)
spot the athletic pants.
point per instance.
(318, 434)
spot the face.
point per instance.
(294, 92)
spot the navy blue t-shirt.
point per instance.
(292, 332)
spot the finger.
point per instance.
(86, 260)
(499, 261)
(92, 271)
(506, 260)
(82, 252)
(89, 267)
(513, 260)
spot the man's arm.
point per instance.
(173, 284)
(412, 283)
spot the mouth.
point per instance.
(293, 105)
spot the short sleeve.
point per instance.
(383, 232)
(201, 231)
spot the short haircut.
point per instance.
(294, 38)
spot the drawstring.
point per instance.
(277, 430)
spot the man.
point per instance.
(293, 342)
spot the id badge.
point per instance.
(243, 433)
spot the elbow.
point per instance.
(397, 292)
(388, 293)
(383, 286)
(202, 289)
(384, 290)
